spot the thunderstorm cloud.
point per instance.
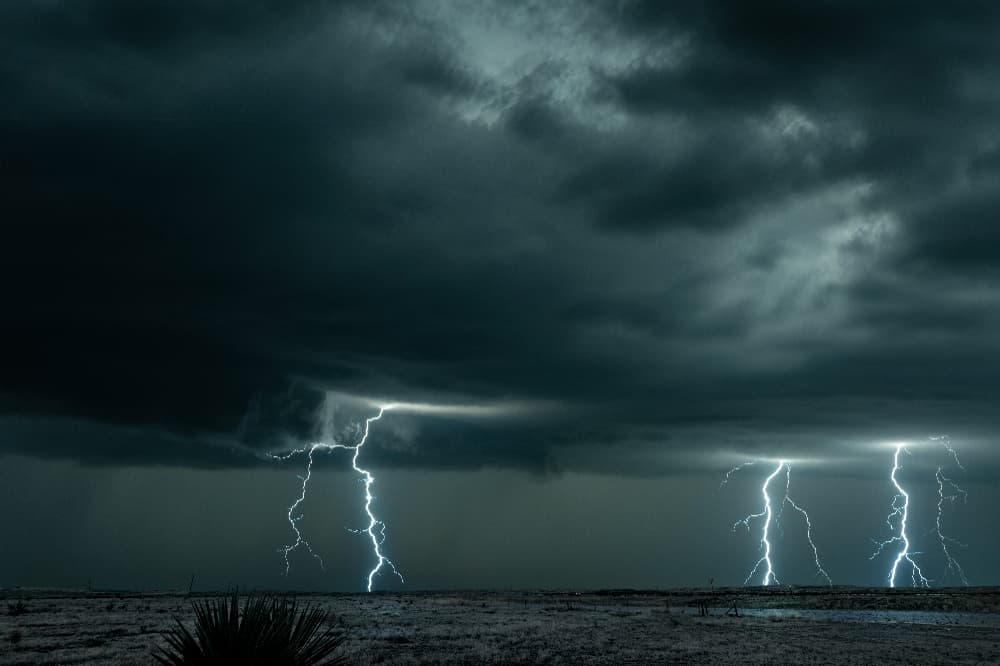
(628, 237)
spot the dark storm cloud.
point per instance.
(689, 226)
(715, 184)
(839, 53)
(914, 77)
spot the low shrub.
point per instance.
(267, 630)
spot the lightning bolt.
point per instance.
(900, 509)
(373, 522)
(765, 543)
(820, 571)
(955, 491)
(375, 529)
(293, 516)
(768, 515)
(734, 470)
(946, 443)
(952, 565)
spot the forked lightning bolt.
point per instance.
(949, 491)
(765, 544)
(812, 544)
(294, 518)
(374, 524)
(951, 564)
(768, 515)
(900, 509)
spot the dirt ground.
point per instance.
(776, 625)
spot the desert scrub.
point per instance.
(267, 630)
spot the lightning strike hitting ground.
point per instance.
(373, 523)
(900, 508)
(377, 541)
(765, 544)
(768, 514)
(294, 518)
(951, 564)
(950, 491)
(820, 571)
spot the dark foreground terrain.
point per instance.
(797, 625)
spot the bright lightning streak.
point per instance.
(373, 522)
(768, 514)
(369, 480)
(764, 542)
(293, 517)
(900, 509)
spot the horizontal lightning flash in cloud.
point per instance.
(366, 476)
(768, 515)
(487, 410)
(900, 509)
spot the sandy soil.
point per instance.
(904, 627)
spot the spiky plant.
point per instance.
(269, 630)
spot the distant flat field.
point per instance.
(776, 625)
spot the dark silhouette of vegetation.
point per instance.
(267, 630)
(16, 609)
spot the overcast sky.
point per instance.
(620, 247)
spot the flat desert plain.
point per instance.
(774, 625)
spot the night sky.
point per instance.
(604, 251)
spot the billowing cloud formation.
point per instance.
(695, 228)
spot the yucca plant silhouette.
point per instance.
(268, 630)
